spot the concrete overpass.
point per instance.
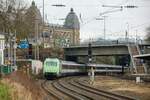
(101, 50)
(97, 50)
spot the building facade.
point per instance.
(63, 35)
(53, 35)
(34, 20)
(72, 23)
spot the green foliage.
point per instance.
(4, 92)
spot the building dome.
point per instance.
(34, 12)
(33, 3)
(72, 21)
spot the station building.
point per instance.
(54, 35)
(63, 35)
(34, 21)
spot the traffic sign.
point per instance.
(23, 44)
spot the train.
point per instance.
(54, 67)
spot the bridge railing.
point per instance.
(113, 42)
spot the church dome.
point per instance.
(72, 21)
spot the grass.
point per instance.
(4, 92)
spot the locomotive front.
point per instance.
(51, 67)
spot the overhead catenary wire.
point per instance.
(108, 11)
(131, 28)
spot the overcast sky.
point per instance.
(134, 19)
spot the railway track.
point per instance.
(75, 88)
(80, 83)
(50, 92)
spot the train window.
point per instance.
(51, 63)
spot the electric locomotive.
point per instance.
(54, 67)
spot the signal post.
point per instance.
(91, 72)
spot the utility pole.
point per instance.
(43, 12)
(126, 36)
(10, 51)
(136, 39)
(8, 46)
(104, 27)
(127, 33)
(104, 30)
(36, 39)
(43, 20)
(15, 46)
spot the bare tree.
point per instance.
(16, 17)
(12, 16)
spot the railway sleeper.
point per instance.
(64, 90)
(119, 96)
(95, 92)
(50, 91)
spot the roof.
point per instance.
(72, 21)
(143, 56)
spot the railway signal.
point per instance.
(91, 73)
(30, 51)
(89, 53)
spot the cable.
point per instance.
(105, 11)
(140, 25)
(134, 27)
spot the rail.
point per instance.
(77, 89)
(81, 84)
(50, 92)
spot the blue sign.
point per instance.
(23, 44)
